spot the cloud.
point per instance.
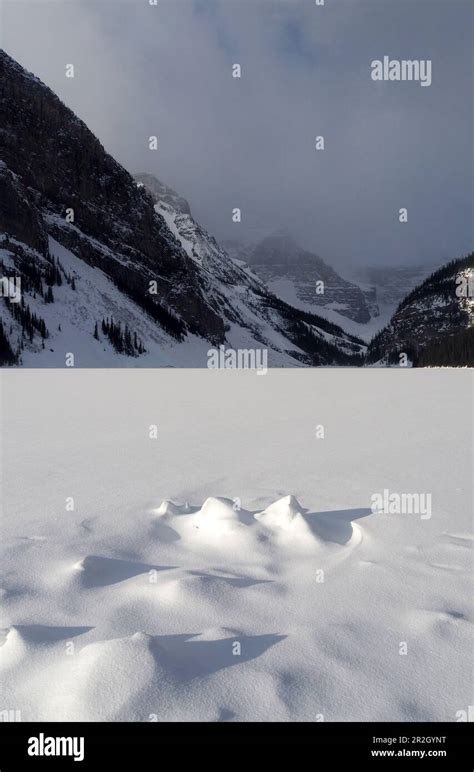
(143, 70)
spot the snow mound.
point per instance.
(285, 520)
(284, 513)
(96, 571)
(168, 507)
(218, 515)
(12, 649)
(127, 665)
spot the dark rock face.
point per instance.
(278, 258)
(437, 316)
(18, 214)
(56, 155)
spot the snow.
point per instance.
(285, 289)
(96, 297)
(169, 214)
(232, 568)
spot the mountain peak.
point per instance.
(161, 192)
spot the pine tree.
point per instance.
(7, 356)
(96, 332)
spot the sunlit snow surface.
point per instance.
(232, 568)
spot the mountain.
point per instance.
(434, 324)
(200, 247)
(391, 283)
(244, 292)
(306, 281)
(116, 271)
(237, 250)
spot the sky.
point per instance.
(249, 143)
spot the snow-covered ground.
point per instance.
(261, 606)
(285, 289)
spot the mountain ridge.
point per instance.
(78, 209)
(300, 276)
(434, 324)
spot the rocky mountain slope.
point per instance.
(305, 280)
(434, 324)
(117, 272)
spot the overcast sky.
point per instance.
(166, 70)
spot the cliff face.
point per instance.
(19, 216)
(294, 273)
(64, 167)
(434, 324)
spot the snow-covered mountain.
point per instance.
(197, 243)
(303, 279)
(391, 283)
(434, 323)
(119, 273)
